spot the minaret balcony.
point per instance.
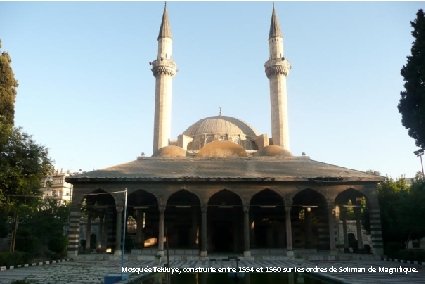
(277, 66)
(164, 67)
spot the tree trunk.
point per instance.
(14, 230)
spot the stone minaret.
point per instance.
(163, 68)
(277, 68)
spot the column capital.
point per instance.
(330, 202)
(287, 202)
(204, 208)
(119, 208)
(288, 209)
(162, 208)
(245, 208)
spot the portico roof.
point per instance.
(233, 169)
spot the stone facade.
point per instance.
(221, 188)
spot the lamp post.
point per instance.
(419, 153)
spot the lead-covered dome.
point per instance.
(221, 128)
(221, 149)
(171, 151)
(274, 151)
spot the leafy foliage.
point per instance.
(412, 102)
(23, 163)
(8, 86)
(402, 210)
(32, 237)
(9, 259)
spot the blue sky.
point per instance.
(87, 93)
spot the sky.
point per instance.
(86, 90)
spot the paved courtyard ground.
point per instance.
(93, 271)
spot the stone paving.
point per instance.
(68, 272)
(93, 271)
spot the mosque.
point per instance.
(223, 188)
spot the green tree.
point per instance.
(416, 207)
(8, 86)
(23, 164)
(391, 195)
(402, 210)
(50, 217)
(412, 102)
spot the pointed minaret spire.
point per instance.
(274, 26)
(163, 68)
(165, 30)
(277, 68)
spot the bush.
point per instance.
(392, 248)
(3, 225)
(9, 259)
(58, 244)
(27, 242)
(412, 254)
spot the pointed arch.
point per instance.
(143, 207)
(182, 220)
(225, 220)
(267, 220)
(309, 219)
(352, 212)
(100, 217)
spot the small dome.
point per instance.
(171, 151)
(221, 149)
(274, 150)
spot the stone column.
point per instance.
(193, 229)
(237, 234)
(88, 231)
(308, 231)
(73, 232)
(331, 221)
(246, 231)
(358, 212)
(100, 243)
(118, 236)
(204, 237)
(139, 229)
(344, 228)
(288, 230)
(161, 231)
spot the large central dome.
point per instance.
(220, 125)
(221, 128)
